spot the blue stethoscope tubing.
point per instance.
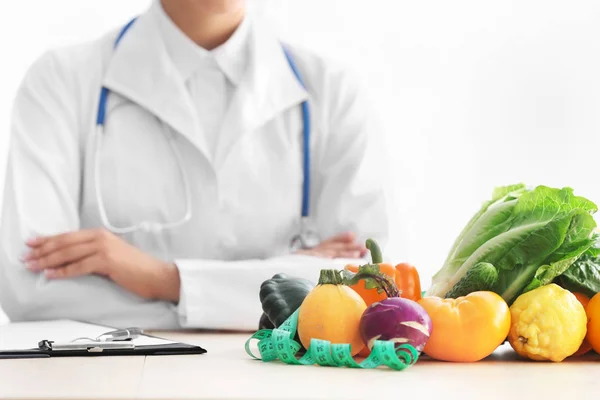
(306, 138)
(303, 239)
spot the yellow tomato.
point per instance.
(468, 328)
(593, 327)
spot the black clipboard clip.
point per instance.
(118, 339)
(91, 347)
(116, 335)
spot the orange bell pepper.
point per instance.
(408, 281)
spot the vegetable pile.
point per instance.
(537, 249)
(360, 307)
(525, 271)
(525, 238)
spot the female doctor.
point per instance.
(159, 174)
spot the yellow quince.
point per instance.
(547, 323)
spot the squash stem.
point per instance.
(376, 256)
(330, 277)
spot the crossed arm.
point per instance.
(100, 252)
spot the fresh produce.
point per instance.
(408, 281)
(482, 277)
(387, 317)
(468, 328)
(593, 326)
(402, 321)
(332, 311)
(583, 275)
(404, 275)
(585, 346)
(265, 323)
(370, 294)
(548, 323)
(530, 236)
(280, 296)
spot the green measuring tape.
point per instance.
(278, 344)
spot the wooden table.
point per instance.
(226, 372)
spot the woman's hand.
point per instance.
(100, 252)
(339, 246)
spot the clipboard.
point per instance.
(66, 338)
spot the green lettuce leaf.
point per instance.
(529, 236)
(583, 276)
(484, 220)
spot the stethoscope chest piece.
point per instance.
(307, 237)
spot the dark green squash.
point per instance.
(265, 323)
(280, 296)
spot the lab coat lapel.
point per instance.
(141, 70)
(268, 87)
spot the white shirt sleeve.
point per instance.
(225, 294)
(42, 185)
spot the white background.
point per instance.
(472, 94)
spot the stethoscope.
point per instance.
(306, 236)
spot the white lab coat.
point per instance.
(246, 199)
